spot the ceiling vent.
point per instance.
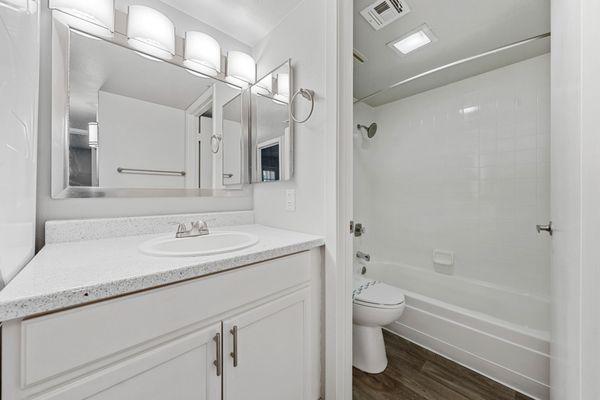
(384, 12)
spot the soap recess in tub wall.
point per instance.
(443, 261)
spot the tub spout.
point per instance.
(363, 256)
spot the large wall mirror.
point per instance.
(127, 124)
(272, 136)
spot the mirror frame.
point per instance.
(255, 176)
(59, 159)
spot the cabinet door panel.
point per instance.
(179, 369)
(179, 378)
(272, 351)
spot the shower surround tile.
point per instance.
(465, 168)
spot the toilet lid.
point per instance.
(374, 293)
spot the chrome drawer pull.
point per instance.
(234, 353)
(218, 362)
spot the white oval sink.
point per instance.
(213, 243)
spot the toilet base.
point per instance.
(368, 349)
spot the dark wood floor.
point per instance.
(414, 373)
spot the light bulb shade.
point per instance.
(202, 53)
(95, 17)
(264, 86)
(241, 68)
(282, 92)
(150, 32)
(93, 135)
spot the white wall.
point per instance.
(48, 208)
(19, 73)
(463, 168)
(301, 37)
(141, 135)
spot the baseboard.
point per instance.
(517, 366)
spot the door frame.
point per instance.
(575, 62)
(575, 164)
(338, 200)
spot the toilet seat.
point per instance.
(375, 294)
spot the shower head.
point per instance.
(371, 129)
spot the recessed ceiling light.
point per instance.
(413, 40)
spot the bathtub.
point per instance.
(495, 331)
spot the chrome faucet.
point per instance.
(199, 228)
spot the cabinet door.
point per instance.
(182, 369)
(266, 351)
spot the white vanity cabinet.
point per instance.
(246, 334)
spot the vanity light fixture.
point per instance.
(241, 69)
(149, 57)
(93, 135)
(27, 6)
(264, 87)
(202, 53)
(94, 17)
(413, 40)
(282, 94)
(150, 32)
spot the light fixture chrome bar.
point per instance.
(122, 170)
(455, 63)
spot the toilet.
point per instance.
(375, 304)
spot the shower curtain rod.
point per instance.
(455, 63)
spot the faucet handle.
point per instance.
(200, 226)
(205, 221)
(181, 227)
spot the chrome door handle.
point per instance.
(218, 362)
(234, 353)
(546, 228)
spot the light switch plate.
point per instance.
(290, 200)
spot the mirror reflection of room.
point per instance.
(137, 122)
(272, 136)
(232, 137)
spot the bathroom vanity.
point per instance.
(98, 319)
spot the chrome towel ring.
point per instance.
(308, 95)
(215, 139)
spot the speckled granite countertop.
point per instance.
(65, 274)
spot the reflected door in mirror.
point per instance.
(271, 131)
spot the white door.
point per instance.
(232, 152)
(266, 351)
